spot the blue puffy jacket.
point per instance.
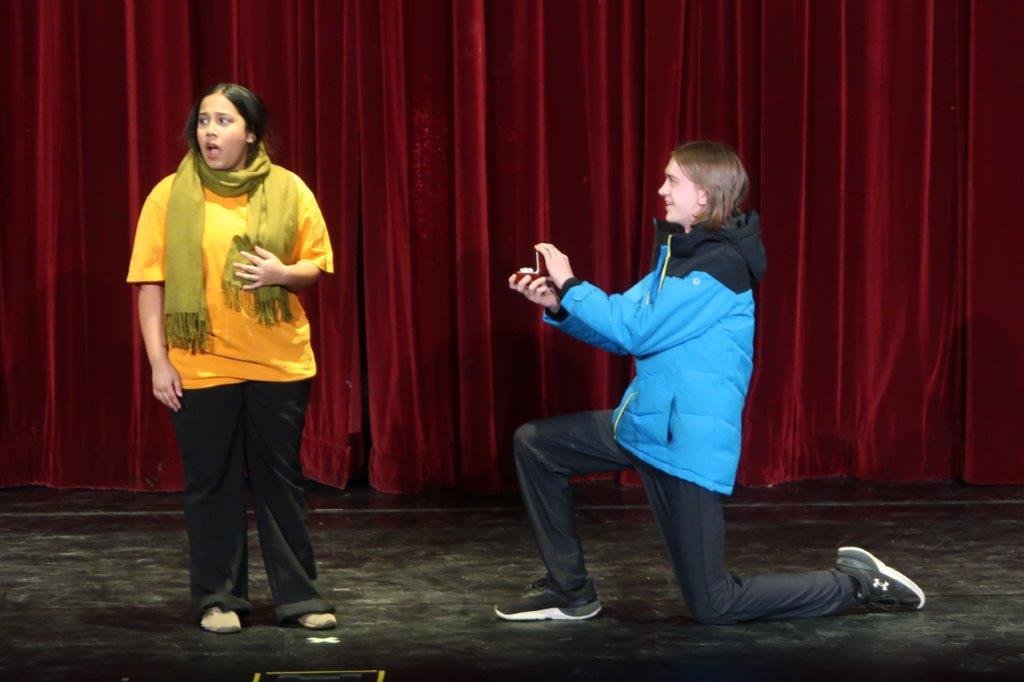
(690, 325)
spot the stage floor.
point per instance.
(93, 585)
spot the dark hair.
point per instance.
(249, 106)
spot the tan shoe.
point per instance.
(221, 622)
(318, 621)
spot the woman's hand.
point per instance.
(557, 264)
(166, 380)
(166, 384)
(264, 269)
(537, 291)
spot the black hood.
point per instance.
(741, 232)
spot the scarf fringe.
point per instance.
(269, 305)
(273, 310)
(187, 331)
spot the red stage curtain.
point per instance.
(993, 322)
(444, 138)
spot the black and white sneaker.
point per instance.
(544, 602)
(879, 584)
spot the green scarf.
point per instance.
(273, 217)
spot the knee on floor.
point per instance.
(524, 438)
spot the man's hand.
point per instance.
(537, 291)
(557, 264)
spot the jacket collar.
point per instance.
(684, 245)
(741, 232)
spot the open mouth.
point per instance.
(212, 151)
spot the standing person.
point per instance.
(690, 325)
(221, 246)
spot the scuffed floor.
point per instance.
(93, 585)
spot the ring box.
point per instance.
(534, 273)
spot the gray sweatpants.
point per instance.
(549, 451)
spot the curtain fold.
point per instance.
(444, 138)
(477, 446)
(994, 401)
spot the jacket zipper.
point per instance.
(664, 267)
(622, 410)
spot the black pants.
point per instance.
(225, 433)
(548, 452)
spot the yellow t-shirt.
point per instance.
(240, 347)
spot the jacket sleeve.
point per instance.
(576, 327)
(684, 309)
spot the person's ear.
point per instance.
(702, 197)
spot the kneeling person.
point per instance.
(690, 325)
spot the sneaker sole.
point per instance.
(866, 557)
(330, 625)
(546, 614)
